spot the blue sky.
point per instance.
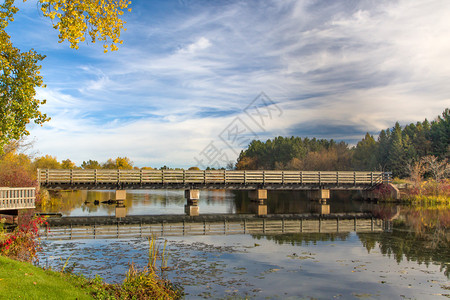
(195, 80)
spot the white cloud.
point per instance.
(201, 44)
(158, 99)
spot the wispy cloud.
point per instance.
(337, 69)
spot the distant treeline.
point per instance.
(393, 151)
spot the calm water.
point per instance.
(156, 202)
(390, 265)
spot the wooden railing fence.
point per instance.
(17, 198)
(102, 176)
(261, 226)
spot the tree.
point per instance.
(123, 163)
(437, 168)
(19, 77)
(19, 71)
(440, 135)
(68, 164)
(46, 162)
(91, 164)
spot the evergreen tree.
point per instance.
(364, 156)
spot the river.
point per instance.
(406, 262)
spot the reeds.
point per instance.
(141, 284)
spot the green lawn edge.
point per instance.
(21, 280)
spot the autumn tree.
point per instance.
(46, 162)
(19, 77)
(91, 164)
(122, 163)
(438, 168)
(68, 164)
(16, 170)
(19, 71)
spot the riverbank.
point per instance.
(423, 192)
(23, 280)
(20, 279)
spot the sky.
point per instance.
(195, 81)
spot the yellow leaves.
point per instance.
(77, 18)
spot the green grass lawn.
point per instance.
(19, 280)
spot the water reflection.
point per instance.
(324, 266)
(153, 202)
(399, 244)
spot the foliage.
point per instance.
(438, 169)
(68, 164)
(122, 163)
(16, 171)
(23, 243)
(91, 164)
(429, 191)
(295, 153)
(20, 71)
(77, 18)
(46, 162)
(19, 77)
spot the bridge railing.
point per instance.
(17, 198)
(101, 176)
(258, 226)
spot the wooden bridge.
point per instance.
(317, 183)
(209, 179)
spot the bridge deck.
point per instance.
(17, 198)
(148, 179)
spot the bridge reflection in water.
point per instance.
(179, 225)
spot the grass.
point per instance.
(21, 280)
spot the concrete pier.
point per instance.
(321, 208)
(192, 196)
(121, 195)
(120, 209)
(258, 198)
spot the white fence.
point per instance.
(17, 198)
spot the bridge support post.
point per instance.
(320, 197)
(121, 210)
(321, 207)
(192, 196)
(121, 195)
(258, 198)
